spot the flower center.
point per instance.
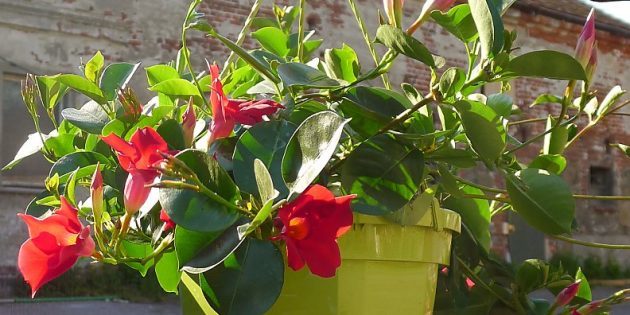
(297, 229)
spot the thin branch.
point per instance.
(589, 244)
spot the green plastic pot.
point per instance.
(386, 268)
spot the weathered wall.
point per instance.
(49, 36)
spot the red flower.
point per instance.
(55, 244)
(166, 219)
(137, 157)
(311, 225)
(567, 294)
(226, 113)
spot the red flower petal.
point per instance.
(322, 258)
(166, 219)
(148, 143)
(252, 112)
(294, 259)
(127, 153)
(135, 193)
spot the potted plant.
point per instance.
(280, 159)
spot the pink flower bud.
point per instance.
(592, 64)
(136, 194)
(469, 283)
(567, 294)
(428, 7)
(586, 41)
(96, 194)
(393, 10)
(589, 308)
(188, 124)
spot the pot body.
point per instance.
(386, 268)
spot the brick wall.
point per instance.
(50, 36)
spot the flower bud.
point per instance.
(589, 308)
(96, 194)
(428, 7)
(136, 192)
(393, 11)
(188, 124)
(592, 64)
(586, 41)
(130, 103)
(567, 294)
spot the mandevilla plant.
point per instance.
(226, 176)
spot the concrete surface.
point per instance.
(89, 307)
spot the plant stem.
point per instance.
(124, 228)
(404, 115)
(368, 42)
(482, 187)
(300, 52)
(601, 197)
(526, 121)
(241, 36)
(589, 244)
(473, 196)
(186, 52)
(595, 122)
(166, 243)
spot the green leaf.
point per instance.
(555, 141)
(83, 86)
(489, 25)
(159, 73)
(85, 161)
(475, 214)
(273, 39)
(263, 214)
(624, 148)
(501, 104)
(193, 300)
(115, 77)
(265, 141)
(584, 292)
(71, 186)
(176, 87)
(173, 134)
(531, 275)
(457, 21)
(194, 210)
(93, 67)
(384, 174)
(137, 250)
(303, 76)
(264, 182)
(310, 148)
(457, 157)
(251, 282)
(448, 182)
(261, 67)
(51, 91)
(397, 40)
(452, 81)
(189, 244)
(34, 208)
(544, 200)
(484, 129)
(411, 213)
(611, 99)
(343, 62)
(91, 118)
(371, 108)
(553, 163)
(546, 64)
(32, 145)
(218, 250)
(167, 272)
(547, 99)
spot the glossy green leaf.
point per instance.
(263, 214)
(457, 21)
(272, 39)
(547, 99)
(501, 104)
(584, 292)
(83, 86)
(371, 108)
(543, 199)
(159, 73)
(397, 40)
(176, 87)
(138, 250)
(610, 100)
(553, 163)
(265, 141)
(189, 244)
(546, 64)
(555, 141)
(343, 62)
(484, 129)
(458, 157)
(193, 300)
(305, 110)
(300, 75)
(531, 275)
(51, 91)
(310, 148)
(32, 145)
(448, 182)
(167, 272)
(452, 81)
(251, 282)
(71, 185)
(194, 210)
(173, 134)
(116, 76)
(91, 118)
(489, 25)
(411, 213)
(475, 214)
(85, 161)
(94, 66)
(264, 182)
(384, 174)
(34, 208)
(216, 251)
(624, 148)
